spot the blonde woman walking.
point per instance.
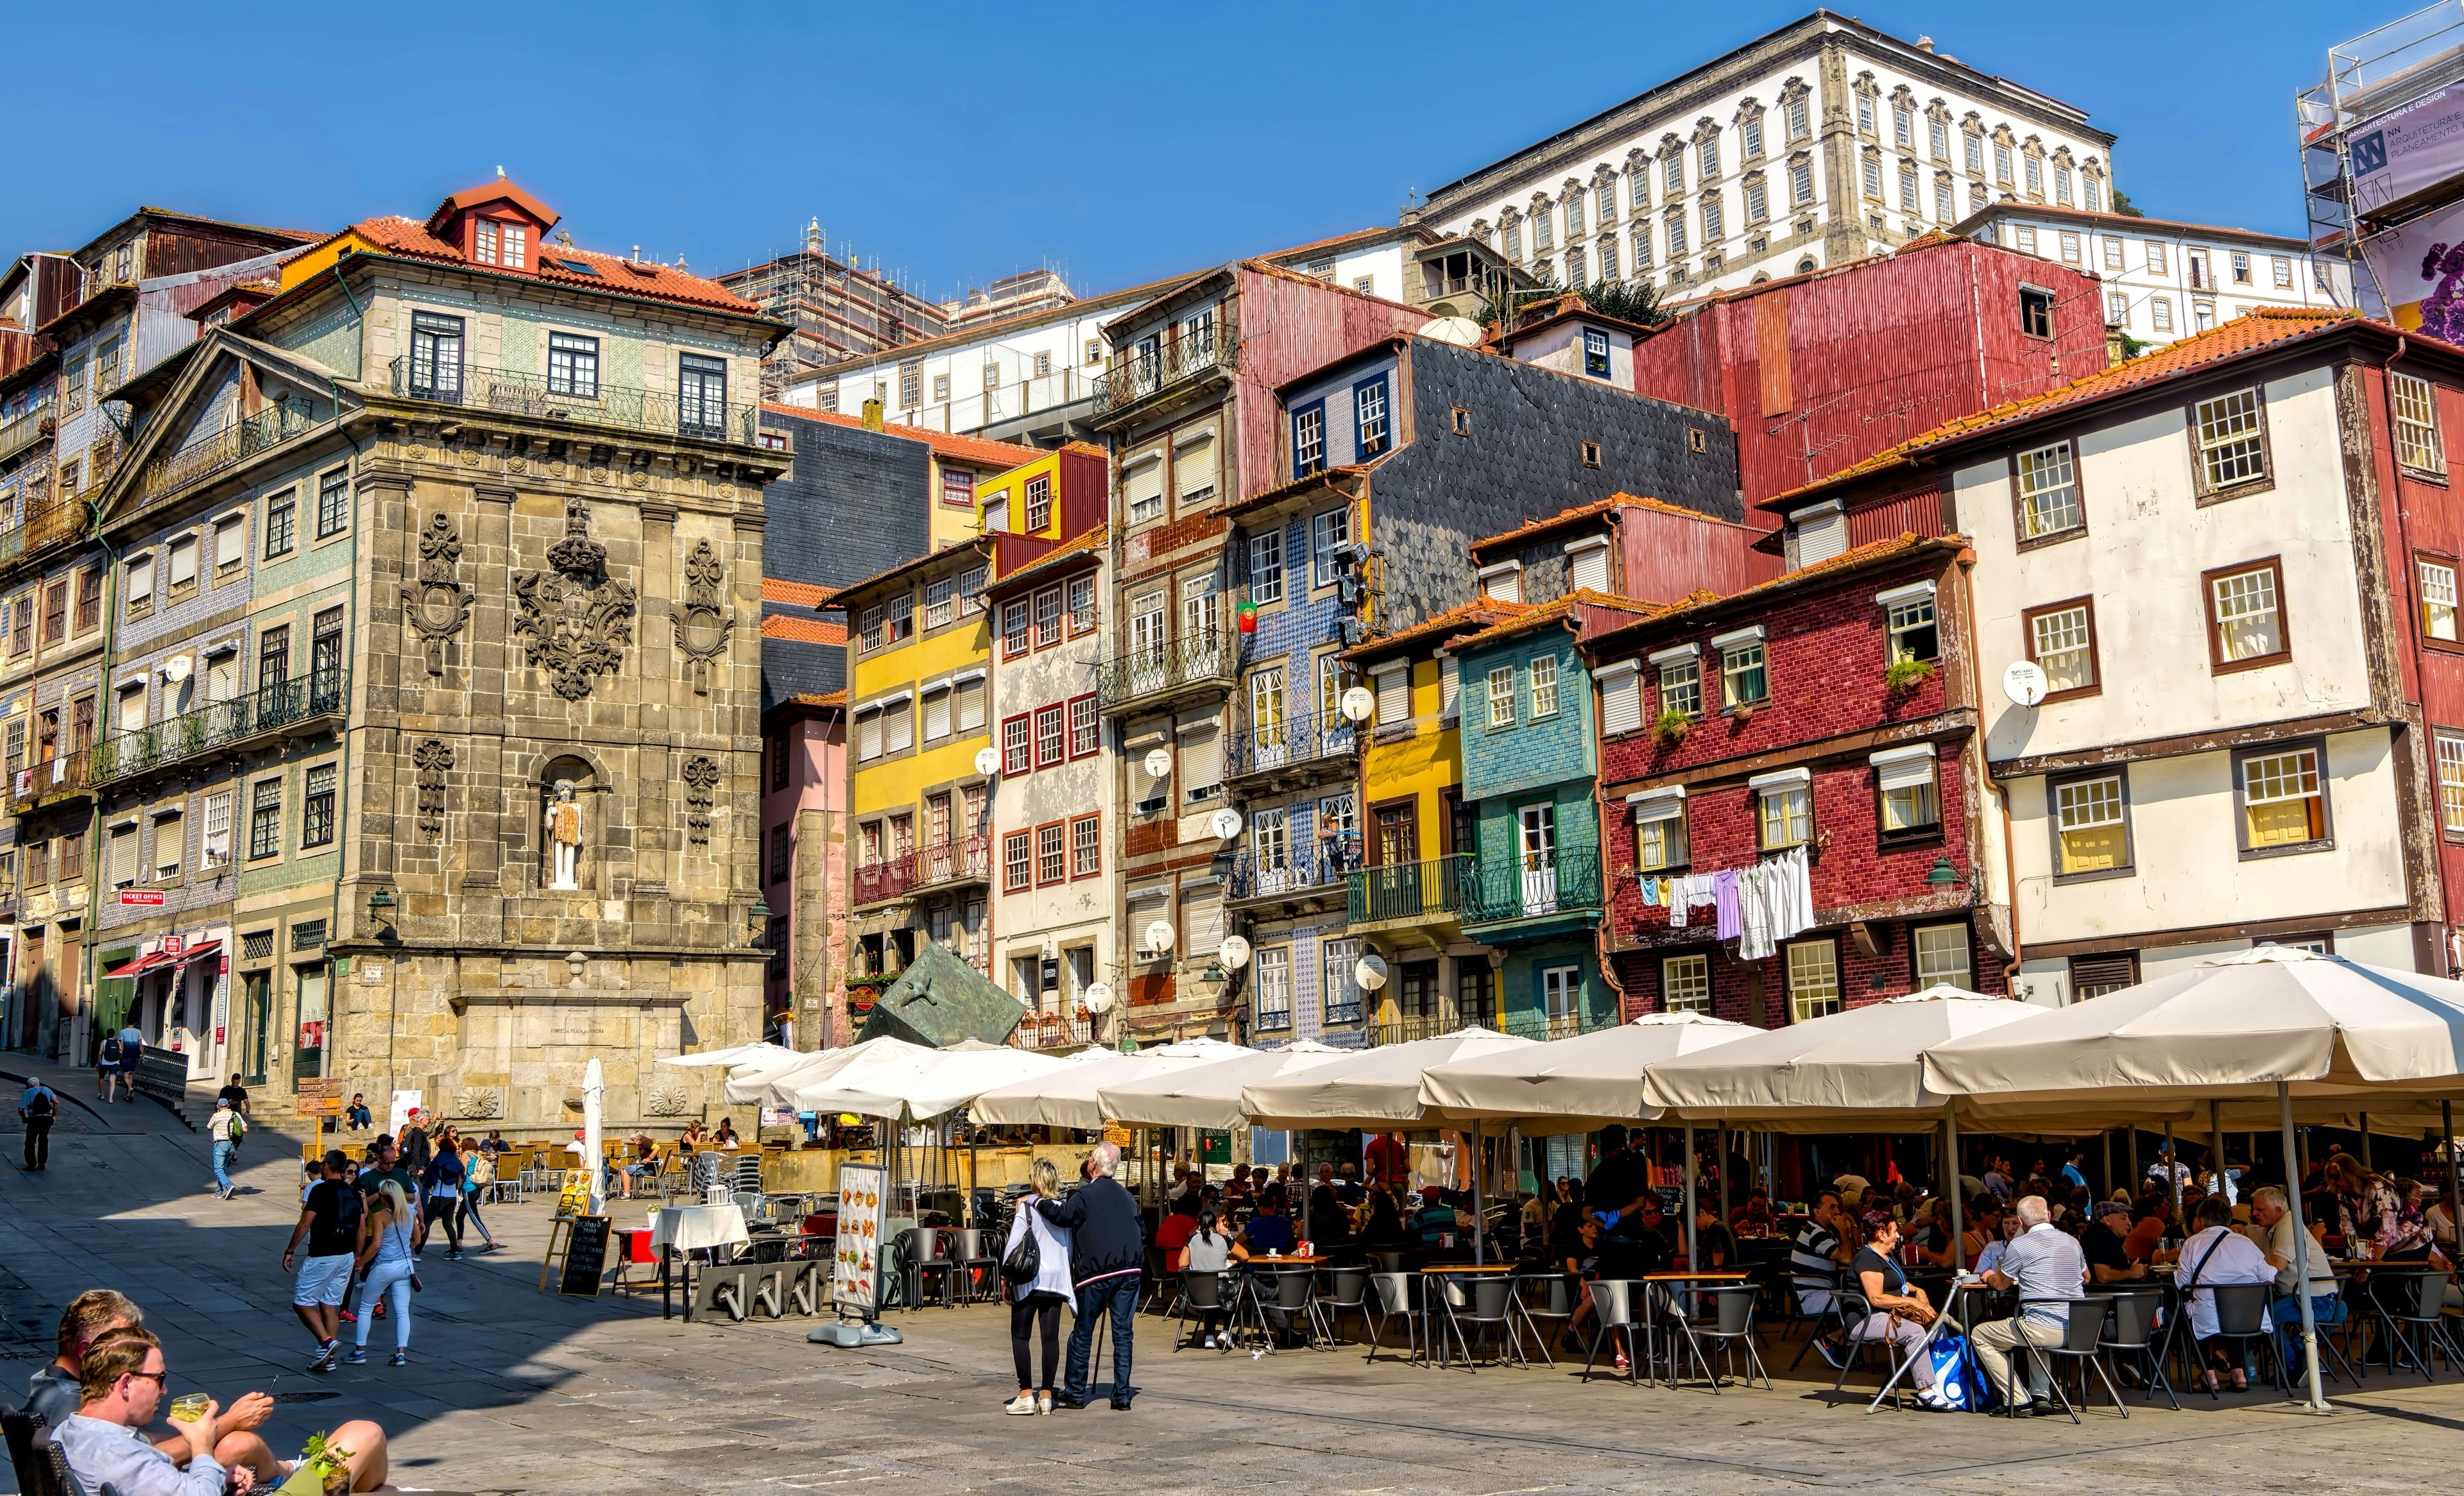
(386, 1268)
(1037, 1302)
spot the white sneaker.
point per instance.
(1208, 1343)
(1021, 1406)
(1044, 1403)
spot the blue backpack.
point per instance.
(1956, 1378)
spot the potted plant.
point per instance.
(1672, 727)
(1907, 674)
(320, 1471)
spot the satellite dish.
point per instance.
(1358, 703)
(1158, 763)
(1233, 953)
(2024, 682)
(176, 668)
(1461, 331)
(1160, 935)
(1225, 824)
(1369, 972)
(988, 762)
(1099, 997)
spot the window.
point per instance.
(2282, 266)
(2451, 783)
(1543, 687)
(1513, 238)
(1308, 440)
(2160, 312)
(1796, 119)
(868, 735)
(940, 600)
(265, 818)
(1681, 686)
(282, 523)
(1685, 983)
(316, 809)
(502, 243)
(1800, 181)
(1812, 979)
(182, 554)
(898, 619)
(1574, 215)
(89, 603)
(230, 544)
(273, 657)
(1642, 241)
(2416, 423)
(2070, 243)
(1018, 745)
(2117, 308)
(1757, 202)
(1085, 728)
(1051, 854)
(2232, 439)
(936, 714)
(1903, 127)
(1865, 113)
(1373, 431)
(214, 850)
(1018, 867)
(333, 502)
(1394, 692)
(2112, 254)
(2245, 616)
(1676, 231)
(942, 387)
(137, 580)
(1745, 678)
(1975, 152)
(1751, 128)
(2240, 268)
(121, 865)
(2061, 639)
(165, 835)
(958, 488)
(2036, 308)
(1909, 203)
(2203, 315)
(2049, 500)
(1608, 257)
(1051, 735)
(1082, 606)
(436, 357)
(2002, 164)
(1047, 618)
(573, 366)
(1016, 630)
(1267, 567)
(701, 396)
(1938, 138)
(1873, 177)
(1342, 988)
(2284, 805)
(1328, 532)
(1941, 956)
(1707, 155)
(898, 727)
(1908, 624)
(2091, 826)
(1039, 504)
(2062, 185)
(2439, 599)
(1272, 1005)
(1784, 810)
(1910, 798)
(1660, 834)
(1672, 173)
(1501, 697)
(911, 386)
(1086, 847)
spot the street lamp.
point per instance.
(380, 904)
(757, 919)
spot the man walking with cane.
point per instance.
(1107, 1253)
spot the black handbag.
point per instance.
(1025, 1260)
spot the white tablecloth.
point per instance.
(686, 1227)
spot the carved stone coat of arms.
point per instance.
(575, 619)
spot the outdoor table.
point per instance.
(687, 1228)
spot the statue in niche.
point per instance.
(565, 839)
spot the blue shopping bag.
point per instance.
(1956, 1379)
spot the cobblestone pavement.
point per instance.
(511, 1390)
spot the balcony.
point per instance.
(1295, 750)
(225, 449)
(1054, 1031)
(1311, 876)
(50, 780)
(941, 865)
(1156, 677)
(1533, 894)
(16, 436)
(1149, 370)
(311, 705)
(46, 525)
(1402, 894)
(613, 408)
(881, 882)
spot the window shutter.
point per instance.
(1201, 761)
(1201, 919)
(936, 715)
(231, 542)
(971, 704)
(1394, 695)
(1620, 701)
(2105, 971)
(1821, 537)
(1192, 465)
(123, 854)
(1904, 771)
(1587, 568)
(184, 560)
(898, 728)
(222, 677)
(1142, 483)
(1450, 688)
(868, 735)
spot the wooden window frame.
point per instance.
(1685, 832)
(2217, 664)
(2325, 840)
(1096, 871)
(1838, 976)
(2095, 658)
(1711, 981)
(1022, 644)
(2397, 423)
(1026, 724)
(1813, 822)
(2020, 538)
(2265, 480)
(1059, 831)
(1890, 841)
(2130, 868)
(2420, 610)
(1042, 631)
(1058, 713)
(1010, 883)
(1094, 609)
(2438, 737)
(1916, 978)
(1069, 726)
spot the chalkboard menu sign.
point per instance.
(585, 1258)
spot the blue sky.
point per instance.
(956, 143)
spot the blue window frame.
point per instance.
(1309, 439)
(1374, 424)
(1596, 353)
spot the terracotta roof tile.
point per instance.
(2262, 327)
(398, 235)
(1474, 616)
(1855, 559)
(1557, 611)
(978, 544)
(798, 594)
(1000, 456)
(804, 630)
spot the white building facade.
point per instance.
(2165, 279)
(1820, 143)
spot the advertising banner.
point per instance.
(2419, 269)
(855, 1266)
(2407, 151)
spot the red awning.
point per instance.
(142, 965)
(198, 952)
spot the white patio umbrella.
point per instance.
(920, 1083)
(2302, 1026)
(1067, 1097)
(1206, 1096)
(774, 1081)
(1578, 1084)
(733, 1054)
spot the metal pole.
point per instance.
(2130, 1160)
(1958, 1206)
(1479, 1214)
(2454, 1178)
(2174, 1174)
(2216, 1148)
(1723, 1171)
(2366, 1140)
(2301, 1257)
(2104, 1163)
(1693, 1263)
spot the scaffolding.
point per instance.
(2380, 89)
(838, 310)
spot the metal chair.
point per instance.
(1829, 1314)
(1729, 1325)
(2027, 1356)
(921, 1255)
(1394, 1295)
(981, 1269)
(1856, 1312)
(1613, 1308)
(2129, 1330)
(1202, 1293)
(2082, 1343)
(1287, 1298)
(2241, 1315)
(1554, 1289)
(2412, 1311)
(1488, 1308)
(1345, 1292)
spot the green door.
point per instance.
(257, 1008)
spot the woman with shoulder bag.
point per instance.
(1035, 1265)
(384, 1261)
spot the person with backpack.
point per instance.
(225, 1129)
(440, 1186)
(478, 1171)
(106, 1066)
(384, 1260)
(37, 1109)
(1034, 1263)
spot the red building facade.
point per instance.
(1833, 709)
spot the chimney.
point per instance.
(1924, 44)
(872, 415)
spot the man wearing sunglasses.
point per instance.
(122, 1379)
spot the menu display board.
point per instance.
(855, 1286)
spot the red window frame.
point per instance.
(1057, 853)
(1086, 727)
(1048, 624)
(1056, 739)
(1018, 746)
(1017, 862)
(1018, 629)
(958, 487)
(1083, 620)
(1087, 846)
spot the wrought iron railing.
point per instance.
(225, 449)
(1531, 886)
(1287, 744)
(65, 775)
(1132, 376)
(963, 860)
(18, 434)
(1205, 657)
(1398, 893)
(219, 724)
(886, 879)
(1522, 1023)
(614, 407)
(1052, 1031)
(1303, 869)
(49, 520)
